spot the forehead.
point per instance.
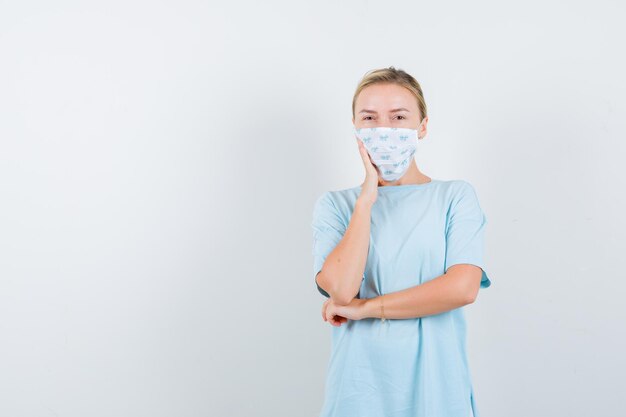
(382, 97)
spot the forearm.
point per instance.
(344, 266)
(443, 293)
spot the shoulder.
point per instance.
(323, 202)
(459, 188)
(464, 201)
(451, 190)
(340, 197)
(338, 202)
(459, 193)
(458, 185)
(328, 200)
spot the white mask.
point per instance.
(390, 148)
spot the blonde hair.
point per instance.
(395, 76)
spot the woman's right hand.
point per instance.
(369, 188)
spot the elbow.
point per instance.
(321, 285)
(466, 282)
(343, 296)
(470, 297)
(340, 296)
(469, 294)
(465, 294)
(340, 299)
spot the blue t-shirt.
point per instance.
(413, 367)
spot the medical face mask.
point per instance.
(390, 148)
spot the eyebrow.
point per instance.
(390, 111)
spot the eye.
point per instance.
(402, 116)
(365, 118)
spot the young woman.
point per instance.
(397, 257)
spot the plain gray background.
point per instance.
(158, 167)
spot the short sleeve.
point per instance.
(465, 231)
(328, 230)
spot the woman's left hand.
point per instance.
(338, 314)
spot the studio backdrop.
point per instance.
(159, 163)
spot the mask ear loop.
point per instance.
(418, 130)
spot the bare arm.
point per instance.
(343, 268)
(457, 287)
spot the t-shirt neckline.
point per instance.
(408, 186)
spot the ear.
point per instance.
(423, 128)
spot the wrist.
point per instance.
(364, 203)
(372, 308)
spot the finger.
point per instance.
(337, 320)
(330, 316)
(367, 159)
(324, 309)
(364, 155)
